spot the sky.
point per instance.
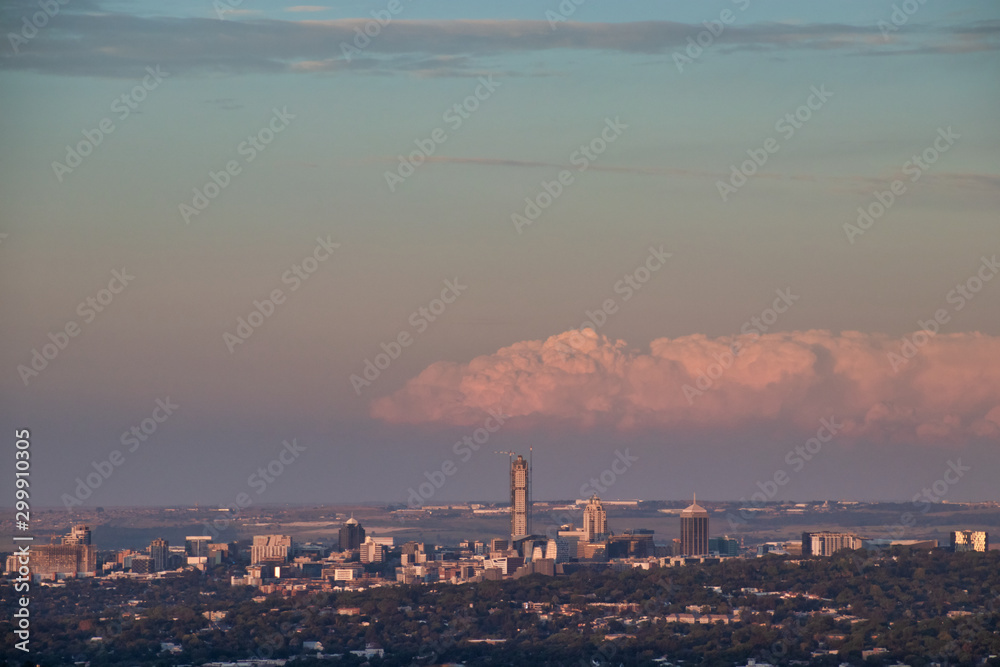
(721, 243)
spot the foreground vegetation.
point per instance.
(921, 607)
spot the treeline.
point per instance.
(920, 607)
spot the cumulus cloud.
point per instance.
(946, 388)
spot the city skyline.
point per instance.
(73, 555)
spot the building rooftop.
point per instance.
(694, 509)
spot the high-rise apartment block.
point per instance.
(63, 560)
(74, 557)
(372, 551)
(271, 549)
(827, 543)
(970, 540)
(159, 551)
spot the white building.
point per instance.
(348, 573)
(271, 549)
(372, 551)
(595, 520)
(827, 543)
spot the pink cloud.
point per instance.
(949, 390)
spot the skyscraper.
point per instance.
(352, 535)
(595, 520)
(694, 530)
(520, 484)
(159, 551)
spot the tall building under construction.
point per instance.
(520, 497)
